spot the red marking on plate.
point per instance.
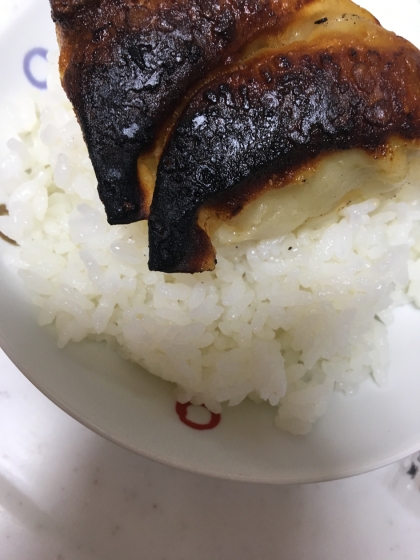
(182, 411)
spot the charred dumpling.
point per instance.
(126, 65)
(272, 119)
(198, 146)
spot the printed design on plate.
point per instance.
(182, 411)
(37, 52)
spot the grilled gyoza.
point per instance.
(195, 112)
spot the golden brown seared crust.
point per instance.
(126, 63)
(275, 115)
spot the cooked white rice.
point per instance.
(287, 320)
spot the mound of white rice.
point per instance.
(286, 320)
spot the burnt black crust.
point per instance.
(127, 64)
(118, 106)
(273, 117)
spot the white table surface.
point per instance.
(68, 494)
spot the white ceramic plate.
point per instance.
(136, 410)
